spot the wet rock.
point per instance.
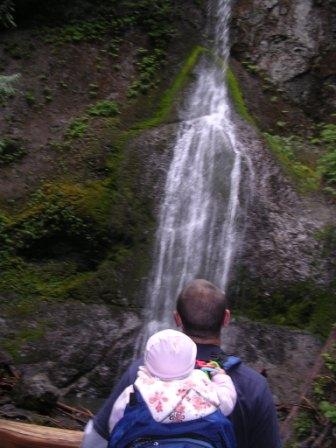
(281, 226)
(36, 393)
(84, 347)
(9, 410)
(5, 358)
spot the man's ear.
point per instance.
(177, 319)
(226, 318)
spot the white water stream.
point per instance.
(197, 231)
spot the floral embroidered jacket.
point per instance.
(179, 400)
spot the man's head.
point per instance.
(201, 310)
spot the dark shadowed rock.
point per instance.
(36, 393)
(285, 356)
(291, 42)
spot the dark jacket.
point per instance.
(254, 417)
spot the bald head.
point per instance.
(201, 307)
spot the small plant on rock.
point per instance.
(10, 151)
(104, 108)
(327, 163)
(6, 85)
(77, 128)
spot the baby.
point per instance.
(172, 388)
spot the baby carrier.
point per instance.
(138, 429)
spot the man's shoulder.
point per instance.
(246, 377)
(247, 373)
(134, 366)
(249, 383)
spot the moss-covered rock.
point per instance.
(302, 305)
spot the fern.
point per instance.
(6, 85)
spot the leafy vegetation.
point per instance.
(59, 243)
(148, 66)
(77, 128)
(7, 13)
(109, 23)
(30, 98)
(327, 163)
(104, 108)
(79, 32)
(113, 18)
(316, 422)
(80, 125)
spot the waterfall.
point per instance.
(197, 230)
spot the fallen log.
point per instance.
(26, 435)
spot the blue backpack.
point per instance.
(138, 429)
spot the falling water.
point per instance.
(197, 231)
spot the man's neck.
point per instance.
(210, 340)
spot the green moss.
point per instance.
(118, 279)
(26, 285)
(54, 246)
(327, 170)
(328, 135)
(302, 305)
(327, 235)
(14, 344)
(237, 97)
(162, 114)
(306, 177)
(170, 95)
(61, 219)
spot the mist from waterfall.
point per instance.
(197, 230)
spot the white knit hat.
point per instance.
(170, 355)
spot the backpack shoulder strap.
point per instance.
(136, 413)
(230, 362)
(137, 400)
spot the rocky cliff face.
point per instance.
(281, 241)
(293, 43)
(282, 53)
